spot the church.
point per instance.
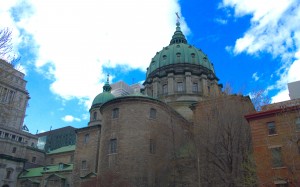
(165, 134)
(146, 138)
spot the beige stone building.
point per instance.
(145, 139)
(151, 138)
(18, 147)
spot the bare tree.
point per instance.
(223, 142)
(5, 42)
(260, 99)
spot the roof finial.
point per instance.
(107, 87)
(178, 17)
(108, 77)
(178, 36)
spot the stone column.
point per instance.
(155, 87)
(203, 80)
(188, 82)
(170, 83)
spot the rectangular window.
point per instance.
(195, 87)
(86, 138)
(152, 146)
(180, 86)
(115, 113)
(71, 158)
(8, 174)
(276, 157)
(83, 164)
(6, 135)
(33, 159)
(297, 124)
(14, 150)
(113, 146)
(152, 113)
(165, 89)
(271, 128)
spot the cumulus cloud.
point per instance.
(275, 28)
(70, 118)
(74, 40)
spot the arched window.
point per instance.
(180, 86)
(195, 87)
(165, 89)
(94, 115)
(113, 146)
(86, 138)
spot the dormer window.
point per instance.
(193, 55)
(164, 57)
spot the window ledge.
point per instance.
(279, 167)
(270, 135)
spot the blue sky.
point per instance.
(68, 47)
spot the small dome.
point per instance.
(104, 96)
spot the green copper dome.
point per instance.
(104, 96)
(179, 52)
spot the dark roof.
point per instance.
(55, 131)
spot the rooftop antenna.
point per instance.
(108, 77)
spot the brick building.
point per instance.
(276, 143)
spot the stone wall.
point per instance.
(145, 144)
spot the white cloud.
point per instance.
(275, 28)
(255, 76)
(70, 118)
(221, 21)
(77, 38)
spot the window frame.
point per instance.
(152, 146)
(86, 138)
(180, 87)
(83, 164)
(271, 128)
(113, 146)
(152, 113)
(276, 158)
(195, 88)
(33, 159)
(115, 113)
(165, 89)
(95, 115)
(297, 123)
